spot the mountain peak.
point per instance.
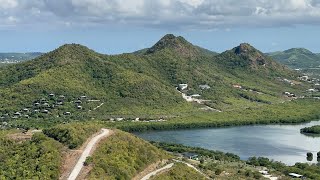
(176, 43)
(298, 50)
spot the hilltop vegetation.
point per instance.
(297, 58)
(122, 156)
(141, 83)
(72, 135)
(38, 158)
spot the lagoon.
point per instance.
(278, 142)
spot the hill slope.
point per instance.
(74, 82)
(297, 58)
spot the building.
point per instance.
(195, 95)
(67, 113)
(190, 155)
(205, 86)
(294, 175)
(182, 87)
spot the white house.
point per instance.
(182, 87)
(205, 86)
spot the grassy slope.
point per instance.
(179, 171)
(122, 156)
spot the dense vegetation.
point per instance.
(38, 158)
(178, 148)
(122, 156)
(73, 135)
(179, 171)
(311, 130)
(309, 171)
(297, 58)
(290, 112)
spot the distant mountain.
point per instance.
(297, 58)
(7, 58)
(141, 83)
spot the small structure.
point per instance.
(36, 110)
(312, 90)
(205, 86)
(195, 95)
(79, 107)
(78, 102)
(25, 110)
(62, 97)
(182, 87)
(36, 104)
(67, 113)
(294, 175)
(51, 95)
(264, 172)
(119, 119)
(83, 97)
(45, 111)
(17, 114)
(237, 86)
(190, 155)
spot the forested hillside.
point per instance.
(74, 82)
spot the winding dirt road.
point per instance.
(86, 152)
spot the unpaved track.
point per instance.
(86, 152)
(148, 176)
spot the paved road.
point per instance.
(148, 176)
(86, 152)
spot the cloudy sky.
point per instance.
(116, 26)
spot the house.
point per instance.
(26, 110)
(51, 95)
(78, 102)
(311, 90)
(294, 175)
(119, 119)
(17, 114)
(237, 86)
(36, 110)
(205, 86)
(195, 95)
(190, 155)
(67, 113)
(45, 111)
(36, 104)
(264, 172)
(182, 87)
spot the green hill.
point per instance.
(74, 82)
(297, 58)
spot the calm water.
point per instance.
(278, 142)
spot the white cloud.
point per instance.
(8, 4)
(192, 14)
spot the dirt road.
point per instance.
(86, 152)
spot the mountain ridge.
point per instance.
(142, 83)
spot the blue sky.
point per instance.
(118, 26)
